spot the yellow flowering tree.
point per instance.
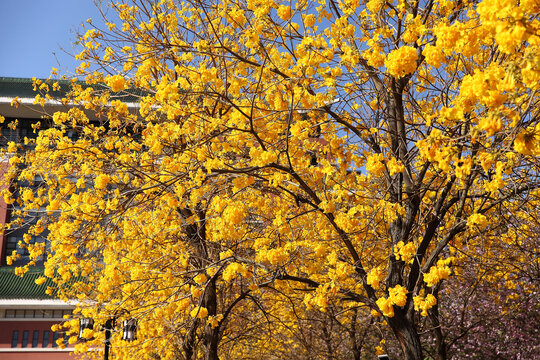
(282, 158)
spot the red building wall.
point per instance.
(7, 352)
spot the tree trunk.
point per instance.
(405, 331)
(356, 345)
(211, 336)
(189, 342)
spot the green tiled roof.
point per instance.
(23, 87)
(17, 287)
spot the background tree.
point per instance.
(288, 156)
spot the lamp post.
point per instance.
(129, 329)
(109, 325)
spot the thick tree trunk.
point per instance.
(441, 344)
(405, 331)
(211, 335)
(197, 233)
(356, 350)
(189, 342)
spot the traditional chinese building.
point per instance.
(27, 312)
(26, 316)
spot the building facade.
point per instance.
(26, 311)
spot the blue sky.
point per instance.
(33, 32)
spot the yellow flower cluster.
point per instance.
(309, 20)
(199, 312)
(434, 56)
(234, 214)
(375, 165)
(488, 86)
(235, 268)
(405, 252)
(438, 272)
(507, 17)
(401, 62)
(101, 181)
(491, 124)
(497, 181)
(527, 142)
(375, 54)
(414, 30)
(321, 297)
(213, 321)
(396, 296)
(476, 219)
(423, 304)
(374, 278)
(395, 166)
(274, 256)
(116, 82)
(200, 279)
(375, 6)
(284, 12)
(435, 148)
(463, 168)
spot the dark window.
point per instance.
(24, 339)
(24, 129)
(25, 221)
(56, 335)
(15, 338)
(28, 218)
(35, 338)
(46, 335)
(10, 313)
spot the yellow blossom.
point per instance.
(476, 219)
(199, 312)
(116, 82)
(40, 280)
(386, 306)
(401, 62)
(200, 279)
(434, 56)
(284, 12)
(374, 278)
(398, 295)
(101, 181)
(423, 304)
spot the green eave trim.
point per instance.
(24, 88)
(23, 287)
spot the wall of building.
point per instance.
(3, 215)
(34, 348)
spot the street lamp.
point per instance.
(129, 329)
(85, 323)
